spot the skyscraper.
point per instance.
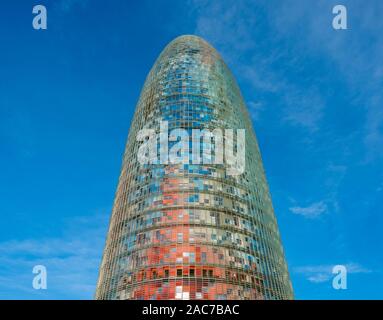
(192, 229)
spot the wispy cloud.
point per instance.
(72, 261)
(298, 31)
(323, 273)
(304, 109)
(235, 28)
(312, 211)
(359, 68)
(255, 109)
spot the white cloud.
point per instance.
(238, 29)
(323, 273)
(304, 109)
(355, 53)
(312, 211)
(254, 109)
(235, 29)
(72, 261)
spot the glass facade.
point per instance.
(191, 231)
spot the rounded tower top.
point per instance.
(193, 41)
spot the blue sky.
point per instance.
(68, 93)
